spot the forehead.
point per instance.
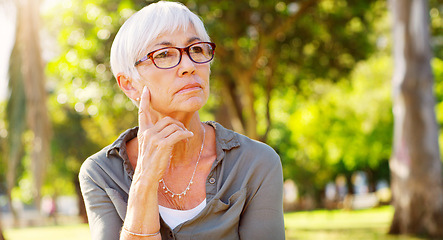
(177, 38)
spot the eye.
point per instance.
(161, 54)
(196, 49)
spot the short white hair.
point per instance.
(146, 25)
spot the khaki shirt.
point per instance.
(243, 191)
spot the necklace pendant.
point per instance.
(167, 190)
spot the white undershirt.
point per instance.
(174, 217)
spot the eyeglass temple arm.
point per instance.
(141, 60)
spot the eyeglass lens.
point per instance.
(170, 57)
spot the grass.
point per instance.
(61, 232)
(320, 224)
(341, 225)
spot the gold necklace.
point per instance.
(167, 190)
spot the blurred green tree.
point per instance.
(337, 128)
(275, 53)
(265, 45)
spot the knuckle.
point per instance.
(176, 127)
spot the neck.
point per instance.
(185, 152)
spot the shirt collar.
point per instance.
(120, 143)
(225, 138)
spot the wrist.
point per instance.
(125, 229)
(141, 192)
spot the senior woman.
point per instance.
(174, 177)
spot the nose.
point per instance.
(186, 66)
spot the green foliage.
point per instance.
(88, 110)
(325, 41)
(337, 128)
(437, 66)
(276, 44)
(436, 22)
(72, 145)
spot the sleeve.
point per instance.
(263, 215)
(104, 221)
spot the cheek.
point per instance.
(154, 83)
(158, 93)
(205, 75)
(207, 84)
(207, 88)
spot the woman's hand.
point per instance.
(157, 136)
(156, 140)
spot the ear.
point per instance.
(128, 86)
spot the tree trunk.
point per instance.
(16, 118)
(34, 81)
(1, 229)
(1, 234)
(415, 163)
(243, 72)
(248, 98)
(230, 113)
(81, 202)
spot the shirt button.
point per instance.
(212, 180)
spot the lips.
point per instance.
(190, 87)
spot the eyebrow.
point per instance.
(166, 43)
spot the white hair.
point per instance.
(138, 32)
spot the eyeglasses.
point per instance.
(169, 57)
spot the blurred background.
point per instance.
(311, 78)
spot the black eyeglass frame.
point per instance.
(181, 50)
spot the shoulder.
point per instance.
(108, 162)
(259, 158)
(256, 147)
(240, 148)
(95, 164)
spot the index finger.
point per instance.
(144, 119)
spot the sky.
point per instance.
(7, 33)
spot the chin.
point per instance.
(193, 104)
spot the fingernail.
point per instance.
(144, 90)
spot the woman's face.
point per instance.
(182, 89)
